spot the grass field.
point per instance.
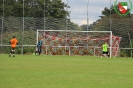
(29, 71)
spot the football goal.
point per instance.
(72, 42)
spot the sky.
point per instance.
(88, 11)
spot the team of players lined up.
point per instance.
(13, 42)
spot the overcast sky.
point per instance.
(79, 10)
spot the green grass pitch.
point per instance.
(29, 71)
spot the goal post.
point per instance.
(73, 42)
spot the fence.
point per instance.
(84, 16)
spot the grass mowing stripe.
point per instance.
(29, 71)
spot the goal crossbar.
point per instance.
(75, 31)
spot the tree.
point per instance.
(55, 9)
(85, 27)
(34, 8)
(108, 11)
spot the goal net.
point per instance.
(71, 42)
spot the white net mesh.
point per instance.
(67, 42)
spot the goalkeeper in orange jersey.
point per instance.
(13, 42)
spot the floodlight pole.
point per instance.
(66, 23)
(87, 22)
(44, 14)
(110, 52)
(111, 33)
(87, 15)
(22, 48)
(2, 27)
(130, 41)
(110, 15)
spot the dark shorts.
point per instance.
(13, 48)
(105, 52)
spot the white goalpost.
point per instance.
(72, 42)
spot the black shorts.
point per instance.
(105, 52)
(13, 48)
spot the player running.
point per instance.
(13, 42)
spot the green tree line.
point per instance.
(33, 8)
